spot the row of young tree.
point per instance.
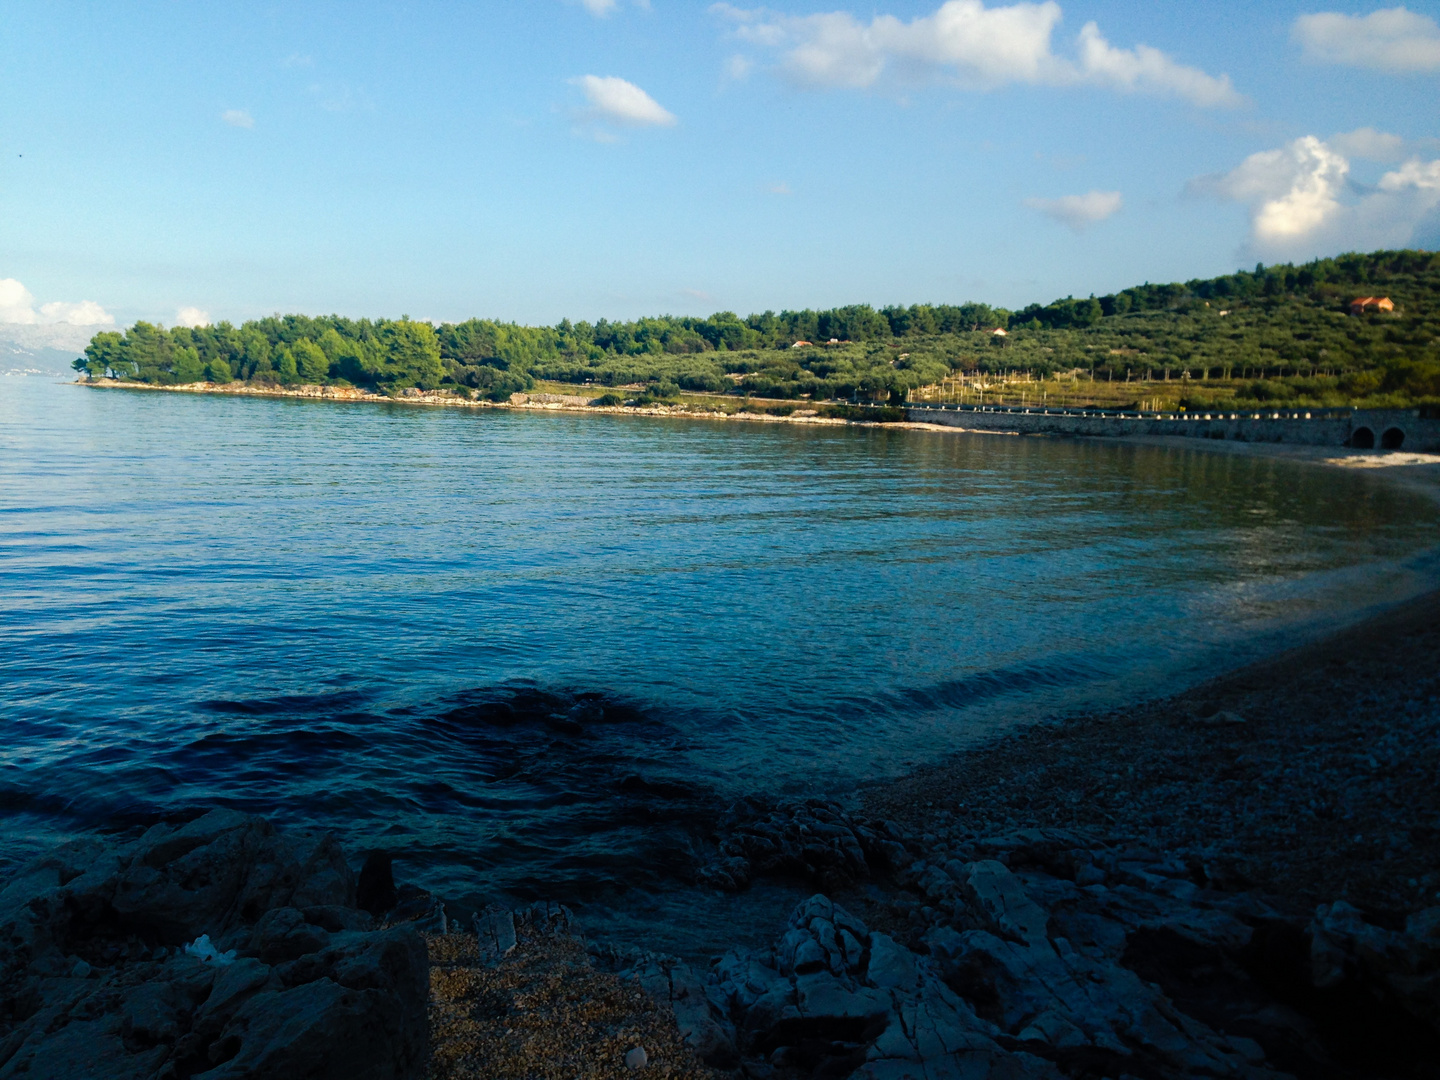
(1281, 320)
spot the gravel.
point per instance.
(544, 1013)
(1309, 777)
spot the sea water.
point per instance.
(534, 654)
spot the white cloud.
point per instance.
(1292, 191)
(970, 44)
(781, 188)
(17, 305)
(1078, 211)
(1369, 145)
(1413, 174)
(81, 313)
(1301, 201)
(622, 102)
(738, 67)
(1393, 39)
(192, 316)
(238, 118)
(1151, 71)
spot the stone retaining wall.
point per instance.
(1316, 427)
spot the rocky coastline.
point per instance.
(447, 399)
(1238, 882)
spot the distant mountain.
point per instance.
(44, 347)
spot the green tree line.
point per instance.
(1286, 329)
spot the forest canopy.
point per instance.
(1287, 323)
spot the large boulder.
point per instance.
(836, 999)
(1402, 966)
(105, 973)
(1023, 975)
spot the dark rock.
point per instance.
(813, 840)
(284, 934)
(1402, 966)
(375, 891)
(360, 1012)
(96, 987)
(1027, 976)
(700, 1013)
(418, 909)
(495, 928)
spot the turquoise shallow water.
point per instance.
(534, 653)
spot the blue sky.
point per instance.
(559, 158)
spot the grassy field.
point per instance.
(1155, 395)
(1160, 395)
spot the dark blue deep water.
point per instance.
(533, 654)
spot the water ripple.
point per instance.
(537, 654)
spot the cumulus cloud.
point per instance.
(17, 305)
(1302, 202)
(1421, 176)
(192, 316)
(1393, 39)
(965, 42)
(80, 313)
(1292, 191)
(1079, 211)
(622, 102)
(238, 118)
(1369, 145)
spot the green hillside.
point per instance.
(1275, 334)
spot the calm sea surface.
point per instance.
(533, 654)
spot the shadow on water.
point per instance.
(513, 791)
(530, 791)
(536, 791)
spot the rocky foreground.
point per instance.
(1238, 883)
(1047, 953)
(218, 948)
(222, 949)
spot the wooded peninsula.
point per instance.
(1277, 335)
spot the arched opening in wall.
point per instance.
(1392, 439)
(1362, 438)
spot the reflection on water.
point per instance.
(544, 648)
